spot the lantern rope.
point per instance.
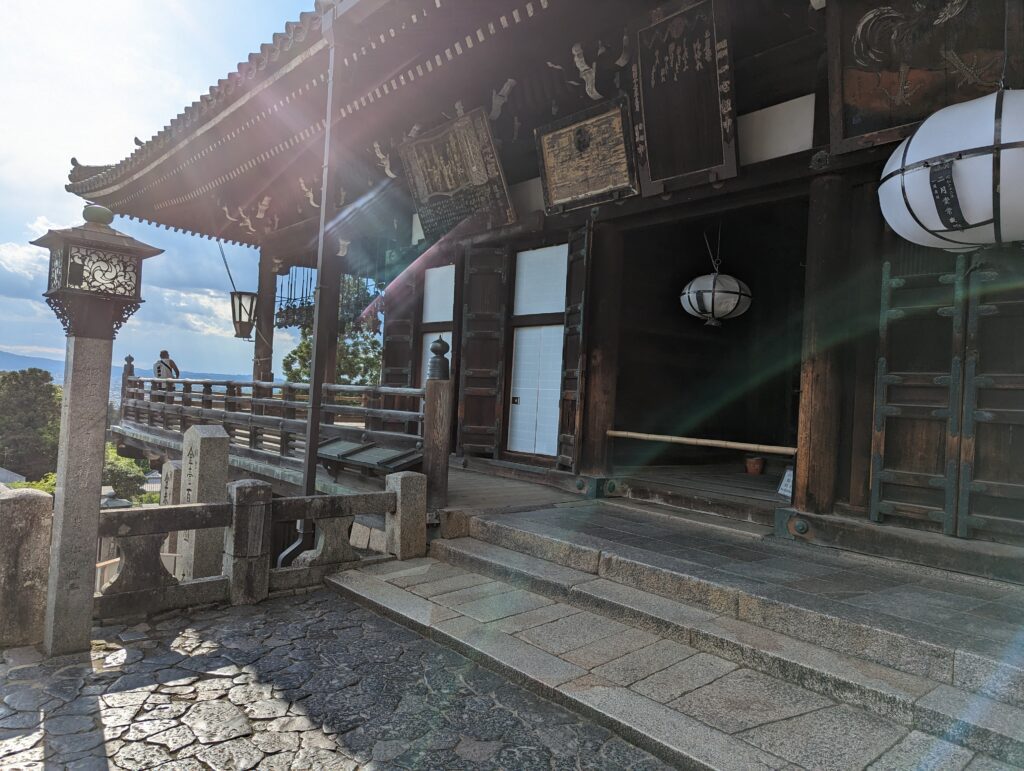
(228, 269)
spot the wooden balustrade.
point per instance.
(266, 421)
(270, 418)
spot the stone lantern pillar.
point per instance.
(94, 288)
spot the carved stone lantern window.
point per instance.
(95, 278)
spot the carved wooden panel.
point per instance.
(683, 101)
(587, 158)
(454, 172)
(893, 64)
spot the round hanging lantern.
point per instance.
(715, 297)
(958, 182)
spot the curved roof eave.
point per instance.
(286, 50)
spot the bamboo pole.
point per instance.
(767, 449)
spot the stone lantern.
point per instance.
(94, 287)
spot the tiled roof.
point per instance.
(285, 46)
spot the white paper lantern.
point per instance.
(715, 297)
(958, 182)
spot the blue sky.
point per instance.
(83, 79)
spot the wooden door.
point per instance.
(948, 441)
(991, 494)
(482, 365)
(915, 449)
(574, 350)
(403, 307)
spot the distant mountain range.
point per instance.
(13, 361)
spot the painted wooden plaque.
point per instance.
(454, 172)
(683, 102)
(587, 158)
(891, 64)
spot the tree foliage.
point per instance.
(359, 356)
(126, 476)
(48, 484)
(29, 422)
(359, 349)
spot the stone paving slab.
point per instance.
(503, 605)
(744, 699)
(833, 738)
(687, 675)
(921, 751)
(643, 663)
(308, 682)
(571, 632)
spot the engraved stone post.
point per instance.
(247, 541)
(170, 495)
(406, 527)
(204, 479)
(25, 519)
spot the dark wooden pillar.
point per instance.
(266, 297)
(329, 269)
(603, 354)
(820, 377)
(866, 245)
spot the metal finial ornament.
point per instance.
(438, 367)
(97, 215)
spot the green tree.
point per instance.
(359, 349)
(48, 484)
(123, 474)
(29, 422)
(359, 357)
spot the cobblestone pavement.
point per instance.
(307, 682)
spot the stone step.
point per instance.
(989, 668)
(884, 691)
(694, 709)
(540, 575)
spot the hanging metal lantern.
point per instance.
(958, 182)
(715, 297)
(243, 313)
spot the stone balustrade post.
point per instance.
(406, 527)
(26, 518)
(247, 541)
(204, 479)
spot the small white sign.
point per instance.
(786, 485)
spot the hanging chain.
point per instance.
(715, 256)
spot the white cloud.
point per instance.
(41, 224)
(36, 350)
(23, 259)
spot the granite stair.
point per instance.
(695, 664)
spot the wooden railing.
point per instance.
(271, 417)
(266, 421)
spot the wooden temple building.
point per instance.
(536, 181)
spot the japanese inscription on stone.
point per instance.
(587, 160)
(683, 100)
(190, 475)
(454, 172)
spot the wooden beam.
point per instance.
(328, 276)
(603, 367)
(266, 298)
(866, 259)
(820, 381)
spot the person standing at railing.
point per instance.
(164, 368)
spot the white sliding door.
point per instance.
(536, 386)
